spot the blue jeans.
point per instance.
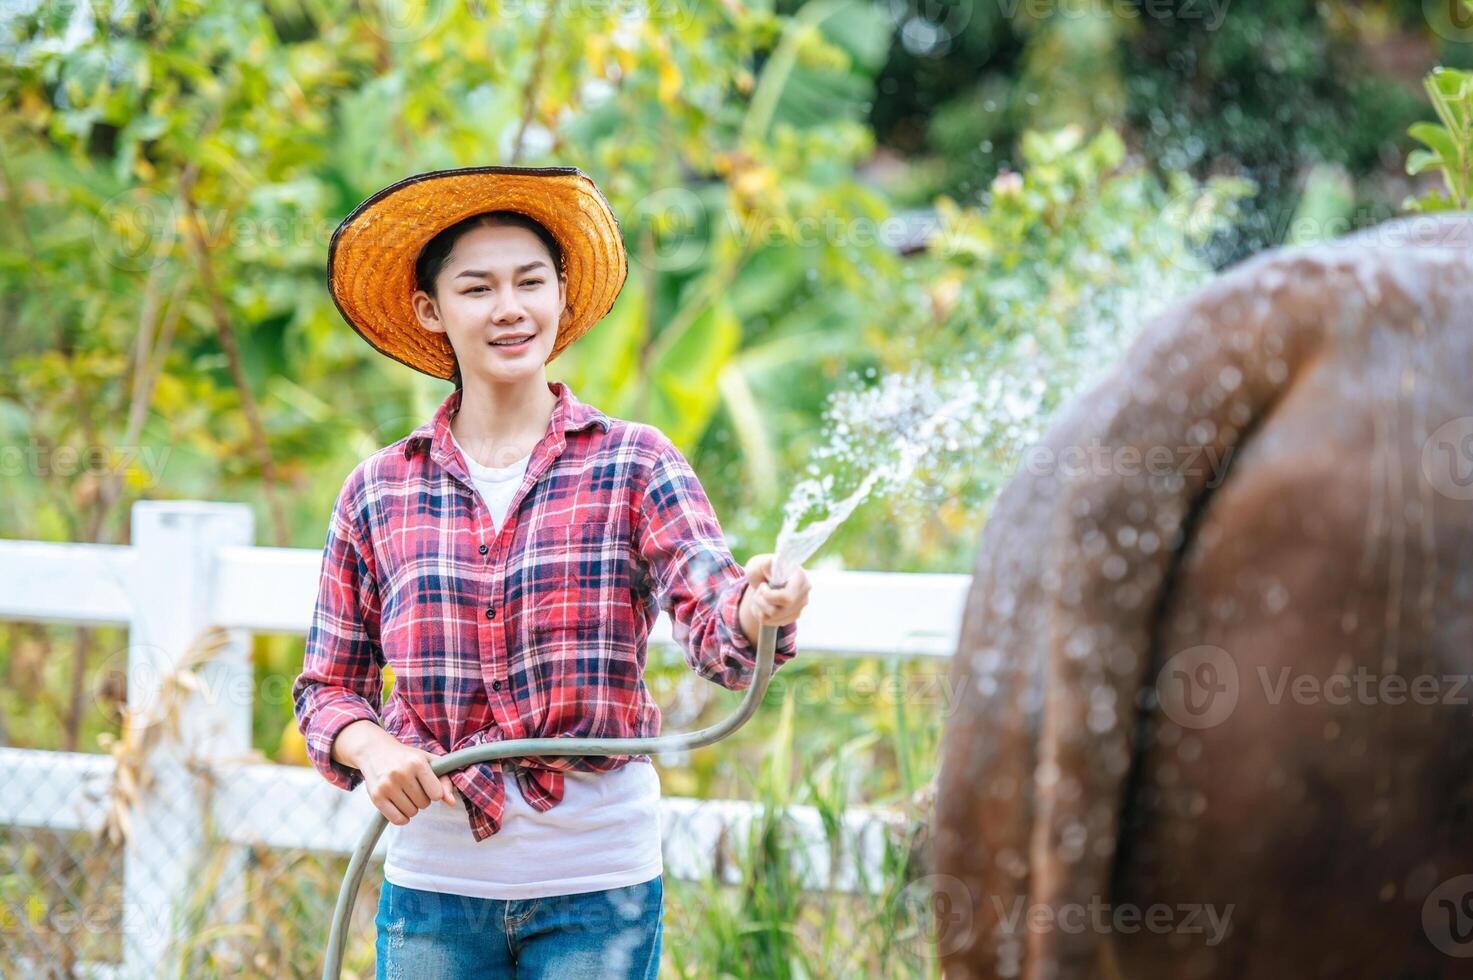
(613, 934)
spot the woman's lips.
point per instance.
(519, 345)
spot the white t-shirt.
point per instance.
(604, 833)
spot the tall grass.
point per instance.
(768, 924)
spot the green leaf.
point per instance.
(1420, 160)
(684, 378)
(1439, 139)
(1453, 85)
(1325, 207)
(767, 278)
(604, 363)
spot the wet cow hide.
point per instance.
(1212, 713)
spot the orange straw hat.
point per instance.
(371, 258)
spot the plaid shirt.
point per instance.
(536, 630)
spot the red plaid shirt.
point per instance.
(536, 630)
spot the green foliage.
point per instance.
(1277, 87)
(1449, 143)
(264, 124)
(835, 734)
(1261, 88)
(1325, 208)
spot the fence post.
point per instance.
(174, 598)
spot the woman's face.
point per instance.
(498, 282)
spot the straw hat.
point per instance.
(370, 260)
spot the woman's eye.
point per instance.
(528, 282)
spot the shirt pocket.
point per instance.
(572, 574)
(580, 642)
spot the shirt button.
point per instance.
(483, 549)
(491, 612)
(495, 685)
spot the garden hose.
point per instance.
(766, 645)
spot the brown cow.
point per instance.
(1212, 703)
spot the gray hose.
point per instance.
(332, 964)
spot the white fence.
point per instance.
(192, 572)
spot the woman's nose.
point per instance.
(507, 308)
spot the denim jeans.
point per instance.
(613, 934)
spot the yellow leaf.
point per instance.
(670, 79)
(595, 50)
(755, 182)
(293, 750)
(168, 394)
(34, 107)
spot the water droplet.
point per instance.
(1276, 598)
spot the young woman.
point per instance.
(506, 560)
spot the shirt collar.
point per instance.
(568, 415)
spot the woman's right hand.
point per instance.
(399, 777)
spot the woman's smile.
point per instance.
(512, 346)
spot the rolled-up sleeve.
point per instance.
(342, 670)
(696, 580)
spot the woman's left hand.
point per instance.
(770, 606)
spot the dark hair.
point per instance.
(432, 258)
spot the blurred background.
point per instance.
(815, 197)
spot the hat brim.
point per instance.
(370, 260)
